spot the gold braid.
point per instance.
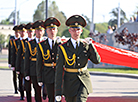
(33, 53)
(66, 57)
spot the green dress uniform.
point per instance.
(11, 61)
(30, 68)
(20, 62)
(46, 59)
(45, 66)
(72, 78)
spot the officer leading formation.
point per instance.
(60, 67)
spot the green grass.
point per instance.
(4, 67)
(116, 70)
(3, 59)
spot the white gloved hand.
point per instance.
(18, 72)
(58, 98)
(13, 68)
(58, 39)
(88, 40)
(40, 83)
(9, 65)
(27, 78)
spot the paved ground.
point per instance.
(107, 87)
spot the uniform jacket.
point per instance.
(46, 74)
(9, 48)
(20, 56)
(14, 51)
(72, 80)
(30, 58)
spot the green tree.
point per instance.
(114, 13)
(53, 11)
(101, 27)
(84, 34)
(2, 39)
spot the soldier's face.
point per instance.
(17, 34)
(75, 33)
(52, 32)
(39, 32)
(30, 33)
(23, 33)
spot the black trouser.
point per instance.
(28, 90)
(15, 80)
(81, 96)
(50, 91)
(21, 84)
(37, 89)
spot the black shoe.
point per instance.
(21, 98)
(15, 92)
(44, 97)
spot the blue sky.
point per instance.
(70, 7)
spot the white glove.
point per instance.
(58, 98)
(9, 65)
(13, 68)
(40, 83)
(27, 78)
(88, 40)
(18, 72)
(58, 39)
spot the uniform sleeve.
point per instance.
(59, 73)
(18, 57)
(39, 64)
(27, 60)
(9, 53)
(93, 54)
(13, 55)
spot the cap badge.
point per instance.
(76, 24)
(77, 16)
(51, 24)
(51, 18)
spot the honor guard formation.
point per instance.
(55, 68)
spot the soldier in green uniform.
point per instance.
(30, 61)
(20, 58)
(30, 32)
(46, 57)
(12, 56)
(72, 60)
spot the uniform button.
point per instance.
(78, 57)
(78, 64)
(52, 53)
(52, 58)
(85, 54)
(69, 57)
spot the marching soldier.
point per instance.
(73, 56)
(30, 32)
(46, 57)
(20, 58)
(12, 55)
(30, 60)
